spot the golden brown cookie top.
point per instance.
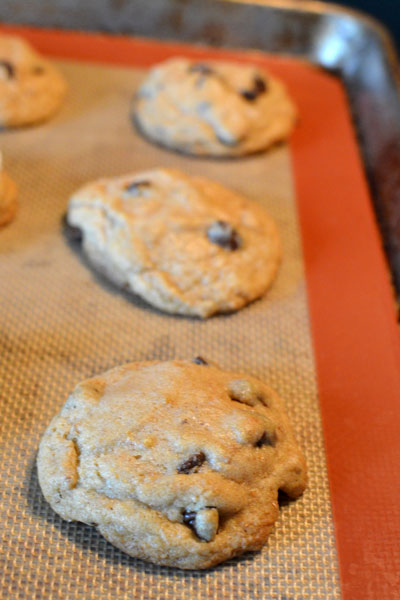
(185, 244)
(178, 462)
(215, 108)
(31, 88)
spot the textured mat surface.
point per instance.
(60, 323)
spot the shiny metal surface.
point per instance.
(350, 44)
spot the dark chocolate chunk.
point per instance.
(259, 87)
(267, 439)
(8, 68)
(283, 498)
(224, 235)
(74, 234)
(199, 360)
(135, 188)
(203, 522)
(189, 466)
(189, 519)
(249, 95)
(201, 68)
(260, 84)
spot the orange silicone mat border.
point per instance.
(355, 335)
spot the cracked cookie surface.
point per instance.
(213, 108)
(31, 88)
(184, 244)
(177, 462)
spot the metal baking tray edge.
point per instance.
(346, 42)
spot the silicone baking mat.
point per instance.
(60, 322)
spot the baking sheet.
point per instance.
(60, 322)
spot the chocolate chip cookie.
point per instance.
(178, 462)
(213, 108)
(31, 89)
(184, 244)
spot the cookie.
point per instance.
(31, 89)
(213, 108)
(178, 462)
(184, 244)
(8, 197)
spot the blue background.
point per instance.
(387, 11)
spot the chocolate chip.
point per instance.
(74, 234)
(224, 235)
(135, 188)
(189, 517)
(260, 84)
(201, 68)
(249, 95)
(204, 522)
(190, 465)
(267, 439)
(8, 68)
(259, 87)
(199, 360)
(283, 498)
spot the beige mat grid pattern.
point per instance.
(60, 323)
